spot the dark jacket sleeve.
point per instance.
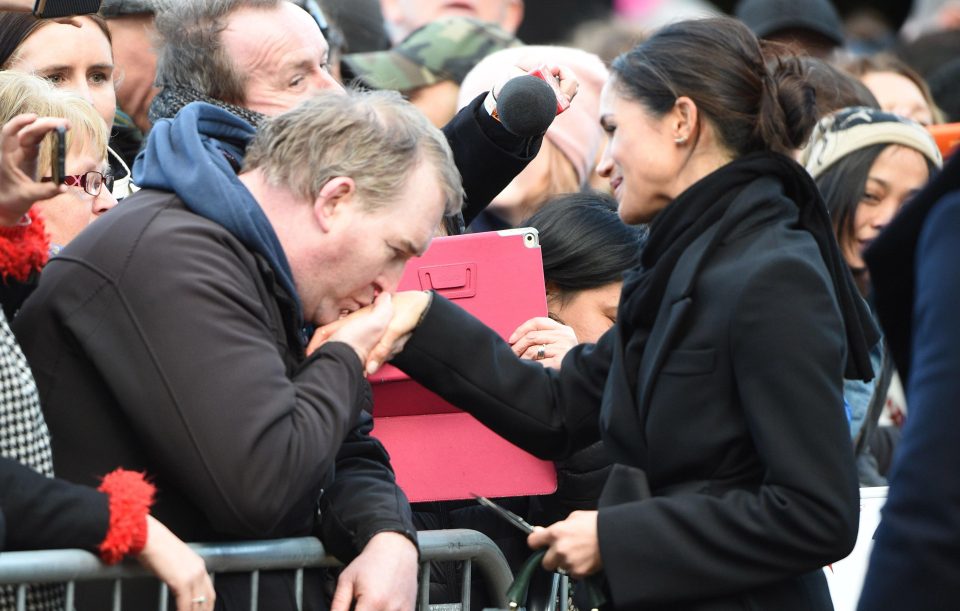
(788, 357)
(44, 513)
(487, 155)
(13, 294)
(203, 384)
(916, 558)
(548, 413)
(364, 498)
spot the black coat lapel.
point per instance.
(676, 305)
(622, 427)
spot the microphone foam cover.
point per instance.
(527, 106)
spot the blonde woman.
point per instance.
(87, 174)
(37, 510)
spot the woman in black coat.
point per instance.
(719, 391)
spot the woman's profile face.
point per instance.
(899, 95)
(73, 54)
(895, 176)
(589, 312)
(640, 159)
(67, 214)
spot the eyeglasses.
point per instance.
(91, 182)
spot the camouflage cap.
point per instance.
(443, 50)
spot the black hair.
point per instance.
(721, 66)
(945, 89)
(584, 243)
(842, 186)
(930, 51)
(835, 88)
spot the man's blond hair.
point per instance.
(374, 137)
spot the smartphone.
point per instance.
(504, 513)
(544, 74)
(64, 8)
(58, 155)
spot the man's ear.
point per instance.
(337, 194)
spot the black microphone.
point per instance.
(527, 106)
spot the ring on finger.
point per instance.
(199, 600)
(541, 352)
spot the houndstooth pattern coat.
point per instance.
(23, 437)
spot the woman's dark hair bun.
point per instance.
(788, 110)
(755, 95)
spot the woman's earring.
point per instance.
(680, 139)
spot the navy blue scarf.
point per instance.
(195, 155)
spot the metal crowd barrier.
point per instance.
(470, 547)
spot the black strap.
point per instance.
(877, 401)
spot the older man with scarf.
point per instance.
(258, 58)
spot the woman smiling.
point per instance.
(868, 164)
(718, 392)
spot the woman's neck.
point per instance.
(706, 157)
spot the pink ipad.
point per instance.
(438, 451)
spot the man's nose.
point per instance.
(323, 80)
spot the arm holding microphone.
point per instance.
(490, 151)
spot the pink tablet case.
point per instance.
(438, 451)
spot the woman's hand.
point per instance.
(543, 339)
(408, 309)
(566, 78)
(569, 85)
(573, 545)
(19, 146)
(361, 330)
(174, 563)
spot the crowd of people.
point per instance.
(748, 223)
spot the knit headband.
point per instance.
(851, 129)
